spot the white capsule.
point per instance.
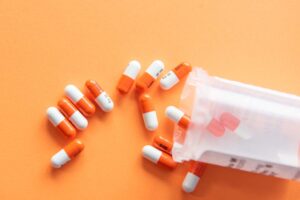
(79, 121)
(73, 93)
(174, 113)
(155, 68)
(151, 153)
(132, 69)
(105, 102)
(168, 80)
(150, 120)
(59, 159)
(55, 116)
(190, 182)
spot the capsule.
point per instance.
(101, 97)
(158, 157)
(79, 100)
(67, 153)
(60, 122)
(151, 74)
(175, 75)
(128, 77)
(193, 176)
(163, 144)
(77, 119)
(178, 116)
(148, 111)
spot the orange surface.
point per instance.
(47, 44)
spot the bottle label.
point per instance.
(252, 165)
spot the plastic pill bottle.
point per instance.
(260, 128)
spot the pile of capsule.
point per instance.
(70, 115)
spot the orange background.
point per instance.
(44, 45)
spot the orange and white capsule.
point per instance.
(79, 100)
(158, 157)
(151, 74)
(128, 77)
(101, 97)
(60, 122)
(77, 119)
(178, 116)
(174, 76)
(193, 176)
(67, 153)
(163, 144)
(148, 112)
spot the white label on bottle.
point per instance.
(251, 165)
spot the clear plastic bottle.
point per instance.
(261, 126)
